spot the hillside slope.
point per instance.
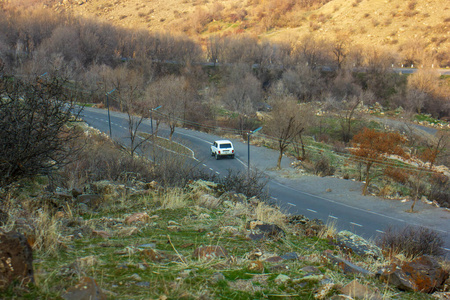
(415, 28)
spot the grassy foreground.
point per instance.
(153, 258)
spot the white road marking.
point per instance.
(217, 173)
(359, 225)
(211, 169)
(333, 217)
(311, 210)
(204, 165)
(290, 203)
(446, 249)
(380, 231)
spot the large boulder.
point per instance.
(16, 259)
(356, 244)
(424, 274)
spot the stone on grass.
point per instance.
(209, 201)
(323, 291)
(346, 266)
(127, 231)
(357, 290)
(210, 252)
(256, 266)
(16, 259)
(423, 274)
(281, 279)
(86, 289)
(91, 200)
(137, 217)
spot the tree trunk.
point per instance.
(279, 159)
(366, 184)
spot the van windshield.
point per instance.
(225, 146)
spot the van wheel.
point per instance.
(232, 155)
(212, 153)
(217, 157)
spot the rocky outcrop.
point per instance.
(424, 274)
(16, 259)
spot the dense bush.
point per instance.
(412, 241)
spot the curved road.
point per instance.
(365, 216)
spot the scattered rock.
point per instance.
(64, 196)
(76, 192)
(16, 259)
(262, 231)
(101, 233)
(153, 255)
(91, 200)
(150, 245)
(137, 217)
(173, 223)
(209, 201)
(356, 244)
(329, 190)
(174, 228)
(279, 268)
(323, 291)
(424, 274)
(311, 270)
(210, 252)
(86, 289)
(135, 277)
(274, 259)
(290, 256)
(127, 231)
(357, 290)
(282, 279)
(256, 266)
(346, 266)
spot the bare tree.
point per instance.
(242, 93)
(174, 94)
(285, 124)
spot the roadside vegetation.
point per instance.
(139, 238)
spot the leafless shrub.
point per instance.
(411, 241)
(323, 167)
(34, 127)
(251, 185)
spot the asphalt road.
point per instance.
(345, 208)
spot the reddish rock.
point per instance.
(424, 274)
(210, 252)
(136, 217)
(86, 289)
(16, 259)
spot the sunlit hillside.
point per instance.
(419, 30)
